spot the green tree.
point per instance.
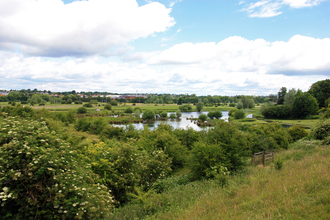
(148, 115)
(81, 110)
(304, 104)
(251, 103)
(107, 106)
(128, 110)
(178, 113)
(199, 105)
(281, 95)
(239, 114)
(202, 117)
(137, 113)
(289, 97)
(163, 114)
(321, 91)
(239, 105)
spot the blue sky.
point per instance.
(223, 47)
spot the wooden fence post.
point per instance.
(263, 158)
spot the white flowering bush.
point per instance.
(42, 177)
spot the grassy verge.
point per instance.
(300, 190)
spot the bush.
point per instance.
(232, 105)
(202, 117)
(113, 103)
(239, 114)
(88, 105)
(185, 108)
(137, 113)
(172, 116)
(91, 125)
(81, 110)
(278, 164)
(277, 112)
(128, 110)
(297, 132)
(321, 130)
(214, 114)
(163, 114)
(107, 106)
(232, 112)
(77, 102)
(178, 113)
(148, 115)
(24, 102)
(41, 182)
(239, 105)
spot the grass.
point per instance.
(300, 190)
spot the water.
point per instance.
(178, 123)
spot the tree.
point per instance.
(148, 115)
(289, 97)
(239, 105)
(81, 110)
(304, 104)
(202, 117)
(128, 110)
(239, 114)
(107, 106)
(180, 101)
(281, 95)
(137, 113)
(199, 105)
(251, 103)
(163, 114)
(178, 113)
(321, 91)
(215, 114)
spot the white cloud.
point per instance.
(172, 3)
(230, 67)
(270, 8)
(51, 28)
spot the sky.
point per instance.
(202, 47)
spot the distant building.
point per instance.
(4, 93)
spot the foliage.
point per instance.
(113, 103)
(239, 114)
(148, 115)
(214, 114)
(91, 125)
(251, 103)
(281, 94)
(112, 132)
(81, 110)
(107, 106)
(278, 164)
(289, 97)
(43, 178)
(128, 110)
(185, 108)
(178, 113)
(202, 117)
(321, 130)
(267, 137)
(232, 105)
(239, 105)
(223, 146)
(304, 104)
(277, 112)
(123, 167)
(163, 114)
(199, 105)
(321, 91)
(297, 132)
(18, 111)
(137, 113)
(88, 105)
(232, 112)
(172, 116)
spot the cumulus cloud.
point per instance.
(52, 28)
(230, 67)
(270, 8)
(301, 55)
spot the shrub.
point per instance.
(232, 112)
(185, 108)
(214, 114)
(88, 105)
(148, 115)
(128, 110)
(91, 125)
(113, 103)
(24, 102)
(278, 164)
(239, 114)
(137, 113)
(172, 116)
(321, 130)
(202, 117)
(81, 110)
(232, 105)
(297, 132)
(41, 182)
(77, 102)
(239, 105)
(178, 113)
(163, 114)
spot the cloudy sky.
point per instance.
(206, 47)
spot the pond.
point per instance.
(178, 123)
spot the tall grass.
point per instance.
(300, 190)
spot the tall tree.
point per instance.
(304, 104)
(321, 91)
(289, 97)
(281, 95)
(199, 105)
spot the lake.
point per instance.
(178, 123)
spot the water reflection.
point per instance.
(178, 123)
